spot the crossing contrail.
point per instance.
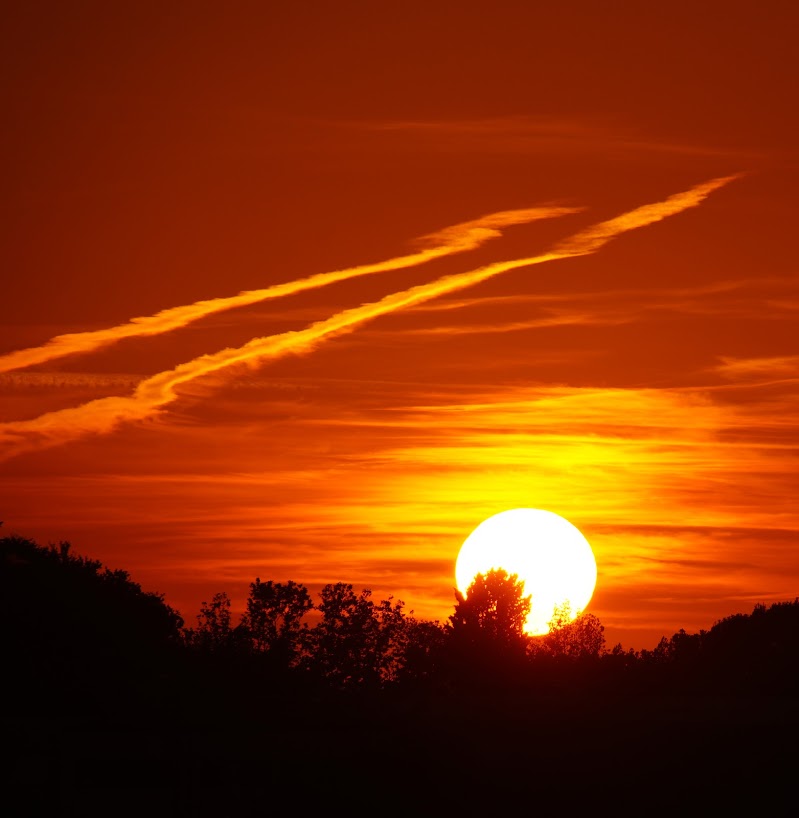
(154, 393)
(458, 238)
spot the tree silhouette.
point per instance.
(391, 636)
(580, 638)
(740, 653)
(357, 642)
(213, 631)
(342, 642)
(424, 650)
(69, 623)
(273, 618)
(494, 608)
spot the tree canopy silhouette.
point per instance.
(84, 645)
(581, 637)
(357, 642)
(486, 642)
(273, 619)
(741, 653)
(68, 618)
(494, 607)
(214, 631)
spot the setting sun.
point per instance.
(415, 380)
(547, 552)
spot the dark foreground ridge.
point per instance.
(114, 707)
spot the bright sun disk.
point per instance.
(549, 554)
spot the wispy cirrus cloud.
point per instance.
(781, 366)
(551, 318)
(524, 134)
(633, 467)
(154, 393)
(743, 299)
(645, 297)
(60, 380)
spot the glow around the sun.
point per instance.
(547, 552)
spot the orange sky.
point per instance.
(432, 328)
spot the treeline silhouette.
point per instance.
(85, 648)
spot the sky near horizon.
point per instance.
(308, 293)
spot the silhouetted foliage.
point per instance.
(214, 631)
(740, 653)
(580, 638)
(493, 610)
(424, 650)
(356, 642)
(68, 618)
(391, 636)
(486, 639)
(390, 695)
(621, 659)
(273, 619)
(339, 643)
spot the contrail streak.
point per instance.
(152, 394)
(590, 240)
(458, 238)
